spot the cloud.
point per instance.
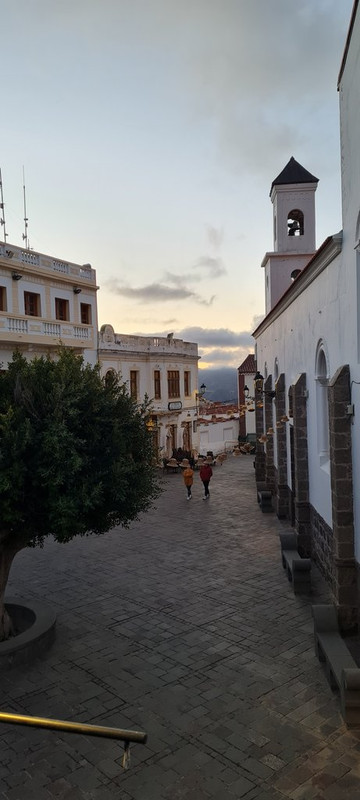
(224, 357)
(215, 236)
(180, 280)
(173, 286)
(254, 75)
(216, 337)
(157, 293)
(214, 266)
(259, 80)
(216, 345)
(148, 321)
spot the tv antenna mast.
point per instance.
(2, 208)
(26, 220)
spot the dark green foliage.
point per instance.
(75, 453)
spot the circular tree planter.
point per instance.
(35, 631)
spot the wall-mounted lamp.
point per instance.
(259, 383)
(77, 290)
(16, 276)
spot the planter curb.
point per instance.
(35, 639)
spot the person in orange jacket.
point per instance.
(205, 476)
(188, 476)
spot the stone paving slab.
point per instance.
(184, 626)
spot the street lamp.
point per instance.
(258, 385)
(199, 395)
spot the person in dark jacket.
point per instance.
(205, 476)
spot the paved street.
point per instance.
(184, 626)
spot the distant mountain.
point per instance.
(221, 384)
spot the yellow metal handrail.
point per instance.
(139, 737)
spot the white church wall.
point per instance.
(293, 340)
(349, 330)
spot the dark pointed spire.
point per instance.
(294, 173)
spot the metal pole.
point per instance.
(25, 234)
(74, 727)
(2, 208)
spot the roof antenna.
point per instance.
(25, 234)
(2, 208)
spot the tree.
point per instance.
(75, 456)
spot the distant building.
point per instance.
(45, 300)
(246, 374)
(218, 427)
(166, 370)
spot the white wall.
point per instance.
(145, 354)
(218, 436)
(349, 280)
(293, 340)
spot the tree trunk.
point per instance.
(7, 556)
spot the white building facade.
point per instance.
(45, 302)
(308, 353)
(165, 370)
(218, 432)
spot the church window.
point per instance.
(276, 370)
(322, 404)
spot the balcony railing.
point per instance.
(17, 255)
(61, 266)
(35, 328)
(81, 333)
(52, 329)
(17, 325)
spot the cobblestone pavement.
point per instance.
(184, 626)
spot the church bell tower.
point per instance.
(293, 197)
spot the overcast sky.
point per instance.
(150, 132)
